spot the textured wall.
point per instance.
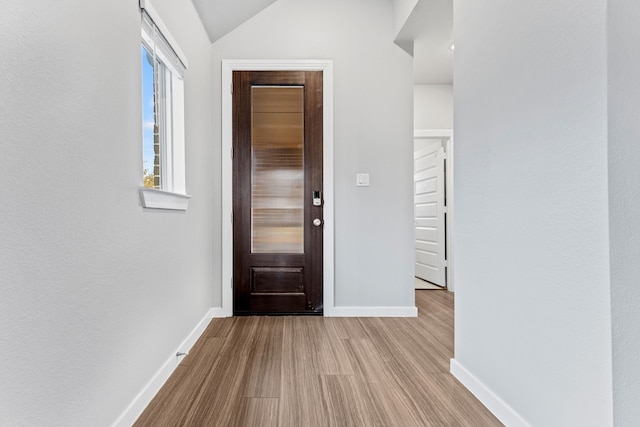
(624, 206)
(372, 132)
(95, 292)
(531, 223)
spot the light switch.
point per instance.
(362, 179)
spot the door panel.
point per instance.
(277, 167)
(429, 211)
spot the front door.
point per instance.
(277, 192)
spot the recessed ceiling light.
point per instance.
(452, 46)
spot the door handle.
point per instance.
(317, 222)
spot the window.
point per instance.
(162, 116)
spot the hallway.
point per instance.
(315, 371)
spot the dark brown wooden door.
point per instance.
(277, 192)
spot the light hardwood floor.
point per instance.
(315, 371)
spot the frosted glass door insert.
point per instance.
(277, 174)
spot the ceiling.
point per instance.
(427, 33)
(222, 16)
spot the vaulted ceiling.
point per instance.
(222, 16)
(427, 33)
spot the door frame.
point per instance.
(228, 67)
(447, 135)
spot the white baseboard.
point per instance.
(218, 312)
(372, 312)
(140, 402)
(497, 406)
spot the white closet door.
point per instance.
(429, 211)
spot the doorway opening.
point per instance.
(433, 209)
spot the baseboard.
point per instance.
(497, 406)
(140, 402)
(372, 312)
(217, 312)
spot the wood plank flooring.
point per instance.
(315, 371)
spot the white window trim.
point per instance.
(151, 11)
(174, 196)
(153, 198)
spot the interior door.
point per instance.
(277, 192)
(430, 210)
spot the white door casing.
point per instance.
(228, 66)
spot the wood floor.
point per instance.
(315, 371)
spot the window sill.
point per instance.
(160, 199)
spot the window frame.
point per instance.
(157, 40)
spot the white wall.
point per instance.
(433, 107)
(624, 205)
(531, 238)
(401, 11)
(373, 132)
(95, 292)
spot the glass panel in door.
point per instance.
(277, 174)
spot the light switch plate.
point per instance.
(362, 179)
